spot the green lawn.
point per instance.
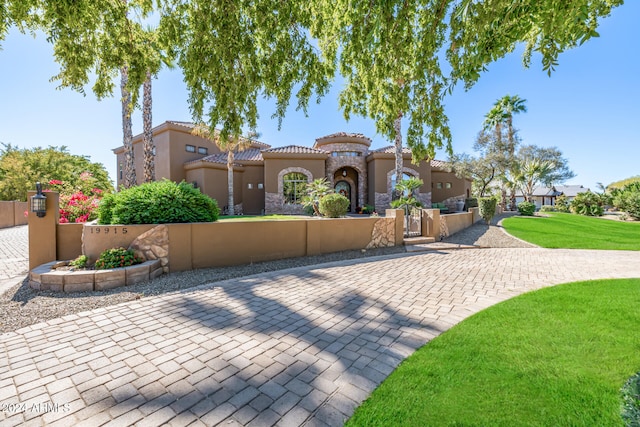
(555, 357)
(562, 230)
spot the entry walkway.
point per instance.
(295, 347)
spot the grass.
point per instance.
(230, 218)
(555, 357)
(562, 230)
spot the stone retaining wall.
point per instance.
(47, 278)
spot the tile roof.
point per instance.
(295, 149)
(190, 125)
(345, 134)
(252, 154)
(183, 124)
(438, 164)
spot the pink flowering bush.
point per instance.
(77, 204)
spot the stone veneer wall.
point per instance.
(274, 202)
(153, 244)
(383, 200)
(383, 234)
(359, 164)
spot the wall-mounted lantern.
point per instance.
(344, 172)
(39, 202)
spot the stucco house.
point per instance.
(270, 179)
(546, 196)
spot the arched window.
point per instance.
(293, 187)
(393, 179)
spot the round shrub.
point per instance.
(105, 207)
(161, 202)
(117, 258)
(547, 208)
(526, 208)
(334, 205)
(487, 208)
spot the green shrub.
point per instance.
(547, 208)
(487, 208)
(334, 205)
(471, 202)
(80, 262)
(368, 209)
(562, 204)
(404, 202)
(116, 258)
(588, 203)
(628, 200)
(160, 202)
(526, 208)
(105, 208)
(631, 401)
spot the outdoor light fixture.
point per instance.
(39, 202)
(344, 172)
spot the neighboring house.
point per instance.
(270, 180)
(542, 196)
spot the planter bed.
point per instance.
(46, 278)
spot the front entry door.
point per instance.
(343, 187)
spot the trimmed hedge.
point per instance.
(334, 205)
(160, 202)
(487, 208)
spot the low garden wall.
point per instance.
(201, 245)
(439, 226)
(182, 247)
(12, 213)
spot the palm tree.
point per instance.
(397, 127)
(531, 172)
(512, 105)
(147, 138)
(232, 145)
(502, 114)
(127, 141)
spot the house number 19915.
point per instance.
(107, 230)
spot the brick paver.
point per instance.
(14, 252)
(292, 347)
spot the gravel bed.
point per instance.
(488, 236)
(22, 306)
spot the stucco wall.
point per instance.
(459, 187)
(201, 245)
(12, 213)
(438, 226)
(69, 241)
(253, 198)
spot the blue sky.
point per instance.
(589, 107)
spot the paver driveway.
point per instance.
(293, 347)
(14, 254)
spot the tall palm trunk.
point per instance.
(397, 127)
(129, 161)
(147, 141)
(230, 180)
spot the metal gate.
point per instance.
(412, 222)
